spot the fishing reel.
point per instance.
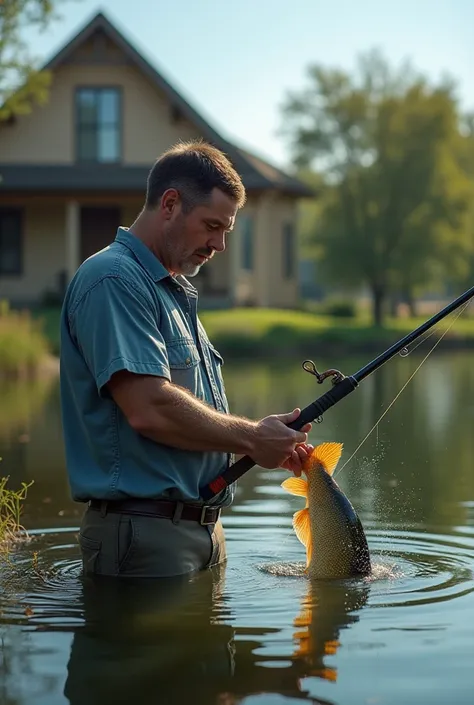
(337, 376)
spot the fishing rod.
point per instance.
(342, 386)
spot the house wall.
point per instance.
(44, 254)
(281, 291)
(45, 244)
(47, 135)
(265, 284)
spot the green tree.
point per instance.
(21, 82)
(397, 200)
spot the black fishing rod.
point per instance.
(342, 386)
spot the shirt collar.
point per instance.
(143, 254)
(148, 261)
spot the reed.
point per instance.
(11, 504)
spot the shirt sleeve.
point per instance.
(116, 327)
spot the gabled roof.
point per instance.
(256, 173)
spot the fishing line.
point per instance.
(460, 311)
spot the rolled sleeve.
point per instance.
(116, 327)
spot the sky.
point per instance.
(236, 60)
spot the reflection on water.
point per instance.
(257, 630)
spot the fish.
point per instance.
(328, 526)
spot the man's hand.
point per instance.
(277, 445)
(295, 462)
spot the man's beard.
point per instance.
(178, 262)
(190, 269)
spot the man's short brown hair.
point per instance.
(194, 169)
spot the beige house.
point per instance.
(76, 168)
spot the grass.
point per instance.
(11, 502)
(249, 332)
(278, 332)
(23, 344)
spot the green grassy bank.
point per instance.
(24, 346)
(270, 333)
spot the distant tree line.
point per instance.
(391, 157)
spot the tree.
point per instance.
(397, 195)
(21, 82)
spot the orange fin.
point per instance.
(327, 454)
(304, 619)
(329, 674)
(302, 529)
(296, 485)
(331, 647)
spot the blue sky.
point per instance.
(234, 60)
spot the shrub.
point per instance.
(341, 309)
(23, 346)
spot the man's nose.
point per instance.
(217, 242)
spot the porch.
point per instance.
(44, 239)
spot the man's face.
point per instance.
(192, 239)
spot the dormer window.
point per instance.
(98, 125)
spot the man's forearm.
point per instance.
(177, 418)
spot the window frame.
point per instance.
(19, 213)
(97, 88)
(289, 245)
(247, 224)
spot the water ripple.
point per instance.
(41, 583)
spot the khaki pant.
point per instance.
(126, 545)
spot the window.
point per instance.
(247, 242)
(288, 251)
(11, 250)
(98, 124)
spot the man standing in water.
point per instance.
(145, 416)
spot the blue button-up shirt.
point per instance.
(124, 311)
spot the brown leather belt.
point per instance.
(166, 509)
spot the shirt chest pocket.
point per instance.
(183, 360)
(183, 354)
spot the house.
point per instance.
(74, 169)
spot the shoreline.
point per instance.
(321, 348)
(246, 335)
(252, 351)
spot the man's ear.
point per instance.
(170, 201)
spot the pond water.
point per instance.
(256, 631)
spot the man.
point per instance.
(145, 416)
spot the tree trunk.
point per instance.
(394, 302)
(410, 302)
(378, 300)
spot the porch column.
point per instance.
(233, 246)
(266, 244)
(73, 238)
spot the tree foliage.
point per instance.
(22, 83)
(396, 210)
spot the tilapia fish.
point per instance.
(328, 526)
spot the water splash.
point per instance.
(380, 571)
(292, 570)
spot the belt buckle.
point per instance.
(203, 514)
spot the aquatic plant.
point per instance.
(11, 501)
